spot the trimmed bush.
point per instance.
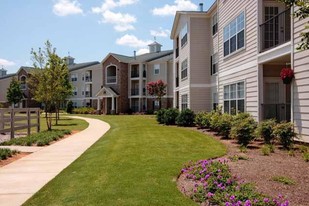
(185, 118)
(265, 130)
(243, 129)
(160, 116)
(70, 107)
(214, 119)
(6, 153)
(84, 110)
(224, 124)
(198, 120)
(170, 115)
(285, 132)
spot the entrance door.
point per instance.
(274, 99)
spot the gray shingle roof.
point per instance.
(82, 65)
(7, 76)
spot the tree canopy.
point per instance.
(157, 89)
(14, 93)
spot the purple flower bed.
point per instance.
(214, 183)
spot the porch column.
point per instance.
(98, 106)
(113, 105)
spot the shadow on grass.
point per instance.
(65, 125)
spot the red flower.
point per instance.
(286, 73)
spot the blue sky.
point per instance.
(89, 30)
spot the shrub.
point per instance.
(285, 132)
(265, 150)
(160, 116)
(224, 124)
(265, 130)
(243, 130)
(284, 180)
(214, 119)
(170, 115)
(84, 110)
(185, 118)
(306, 156)
(70, 107)
(6, 153)
(199, 119)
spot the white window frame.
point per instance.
(215, 100)
(214, 24)
(184, 102)
(184, 70)
(74, 77)
(184, 35)
(236, 98)
(214, 63)
(227, 34)
(106, 74)
(156, 69)
(75, 91)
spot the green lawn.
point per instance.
(135, 163)
(65, 123)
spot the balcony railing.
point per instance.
(134, 74)
(134, 92)
(88, 79)
(280, 112)
(111, 79)
(276, 30)
(88, 94)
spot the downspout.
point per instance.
(292, 64)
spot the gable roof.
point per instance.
(74, 67)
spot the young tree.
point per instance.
(14, 94)
(157, 89)
(49, 81)
(302, 12)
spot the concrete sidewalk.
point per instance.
(24, 177)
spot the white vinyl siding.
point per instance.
(234, 35)
(214, 63)
(234, 98)
(184, 101)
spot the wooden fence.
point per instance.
(12, 120)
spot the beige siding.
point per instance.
(200, 99)
(241, 65)
(4, 85)
(170, 78)
(301, 85)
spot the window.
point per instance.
(23, 82)
(214, 63)
(156, 69)
(214, 24)
(75, 91)
(214, 100)
(184, 35)
(234, 98)
(184, 102)
(111, 73)
(234, 35)
(184, 69)
(74, 77)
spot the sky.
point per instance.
(85, 29)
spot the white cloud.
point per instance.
(142, 51)
(6, 63)
(111, 4)
(122, 22)
(132, 41)
(179, 5)
(160, 33)
(67, 7)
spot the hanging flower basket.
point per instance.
(287, 75)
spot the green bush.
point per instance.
(6, 153)
(84, 110)
(185, 118)
(243, 130)
(265, 150)
(70, 107)
(265, 130)
(170, 115)
(160, 116)
(213, 120)
(285, 132)
(306, 156)
(199, 119)
(38, 139)
(224, 124)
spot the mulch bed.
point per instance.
(259, 169)
(15, 157)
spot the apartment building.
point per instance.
(232, 55)
(86, 79)
(125, 79)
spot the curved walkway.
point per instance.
(24, 177)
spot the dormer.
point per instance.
(154, 47)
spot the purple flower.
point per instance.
(247, 203)
(210, 195)
(232, 198)
(266, 200)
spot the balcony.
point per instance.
(177, 52)
(144, 74)
(134, 74)
(111, 79)
(177, 81)
(88, 94)
(134, 92)
(275, 31)
(88, 79)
